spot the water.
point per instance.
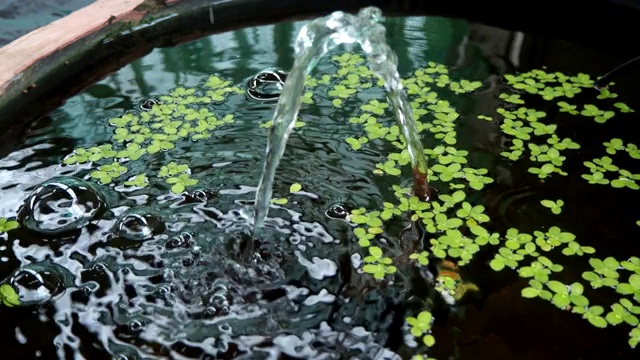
(315, 40)
(61, 204)
(160, 275)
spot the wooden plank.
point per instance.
(27, 50)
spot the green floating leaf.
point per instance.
(512, 98)
(9, 295)
(295, 187)
(180, 182)
(138, 181)
(429, 340)
(278, 201)
(623, 107)
(7, 225)
(555, 206)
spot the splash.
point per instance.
(314, 40)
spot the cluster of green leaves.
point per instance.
(138, 181)
(181, 115)
(523, 125)
(454, 222)
(549, 85)
(600, 166)
(178, 176)
(421, 327)
(106, 173)
(378, 265)
(352, 74)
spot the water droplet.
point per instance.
(38, 283)
(61, 204)
(266, 85)
(339, 211)
(139, 225)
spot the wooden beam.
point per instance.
(41, 43)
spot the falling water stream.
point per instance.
(314, 40)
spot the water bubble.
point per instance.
(200, 195)
(266, 85)
(61, 204)
(209, 312)
(225, 328)
(187, 262)
(135, 326)
(137, 224)
(147, 104)
(339, 211)
(38, 283)
(183, 240)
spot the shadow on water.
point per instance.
(174, 282)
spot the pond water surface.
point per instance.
(150, 270)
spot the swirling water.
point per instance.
(144, 273)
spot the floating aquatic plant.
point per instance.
(180, 182)
(554, 206)
(138, 181)
(421, 325)
(7, 225)
(106, 173)
(279, 201)
(295, 187)
(9, 296)
(454, 224)
(378, 265)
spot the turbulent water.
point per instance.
(144, 273)
(164, 275)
